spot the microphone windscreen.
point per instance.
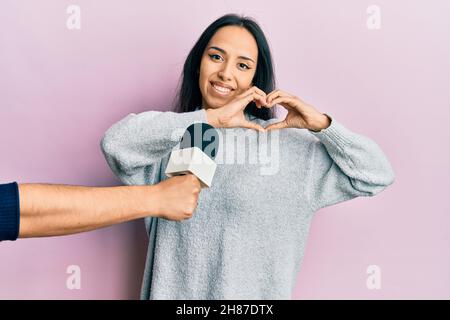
(203, 136)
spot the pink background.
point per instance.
(60, 90)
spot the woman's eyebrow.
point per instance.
(223, 51)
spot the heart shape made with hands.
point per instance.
(299, 114)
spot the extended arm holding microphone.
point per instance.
(43, 210)
(52, 210)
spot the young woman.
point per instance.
(247, 237)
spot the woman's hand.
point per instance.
(300, 114)
(232, 114)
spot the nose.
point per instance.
(226, 74)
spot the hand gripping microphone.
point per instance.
(198, 149)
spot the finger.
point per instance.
(260, 101)
(251, 96)
(258, 91)
(280, 100)
(242, 101)
(257, 98)
(276, 94)
(252, 125)
(278, 125)
(272, 95)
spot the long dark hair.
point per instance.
(189, 96)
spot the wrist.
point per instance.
(146, 198)
(323, 123)
(211, 117)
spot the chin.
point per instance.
(214, 105)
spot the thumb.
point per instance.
(278, 125)
(252, 125)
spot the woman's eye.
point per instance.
(244, 65)
(214, 55)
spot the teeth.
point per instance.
(221, 89)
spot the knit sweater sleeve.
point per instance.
(344, 165)
(134, 146)
(9, 211)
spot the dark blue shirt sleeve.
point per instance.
(9, 211)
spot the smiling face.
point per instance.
(228, 66)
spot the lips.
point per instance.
(221, 90)
(221, 85)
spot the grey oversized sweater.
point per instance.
(248, 234)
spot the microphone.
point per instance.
(198, 149)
